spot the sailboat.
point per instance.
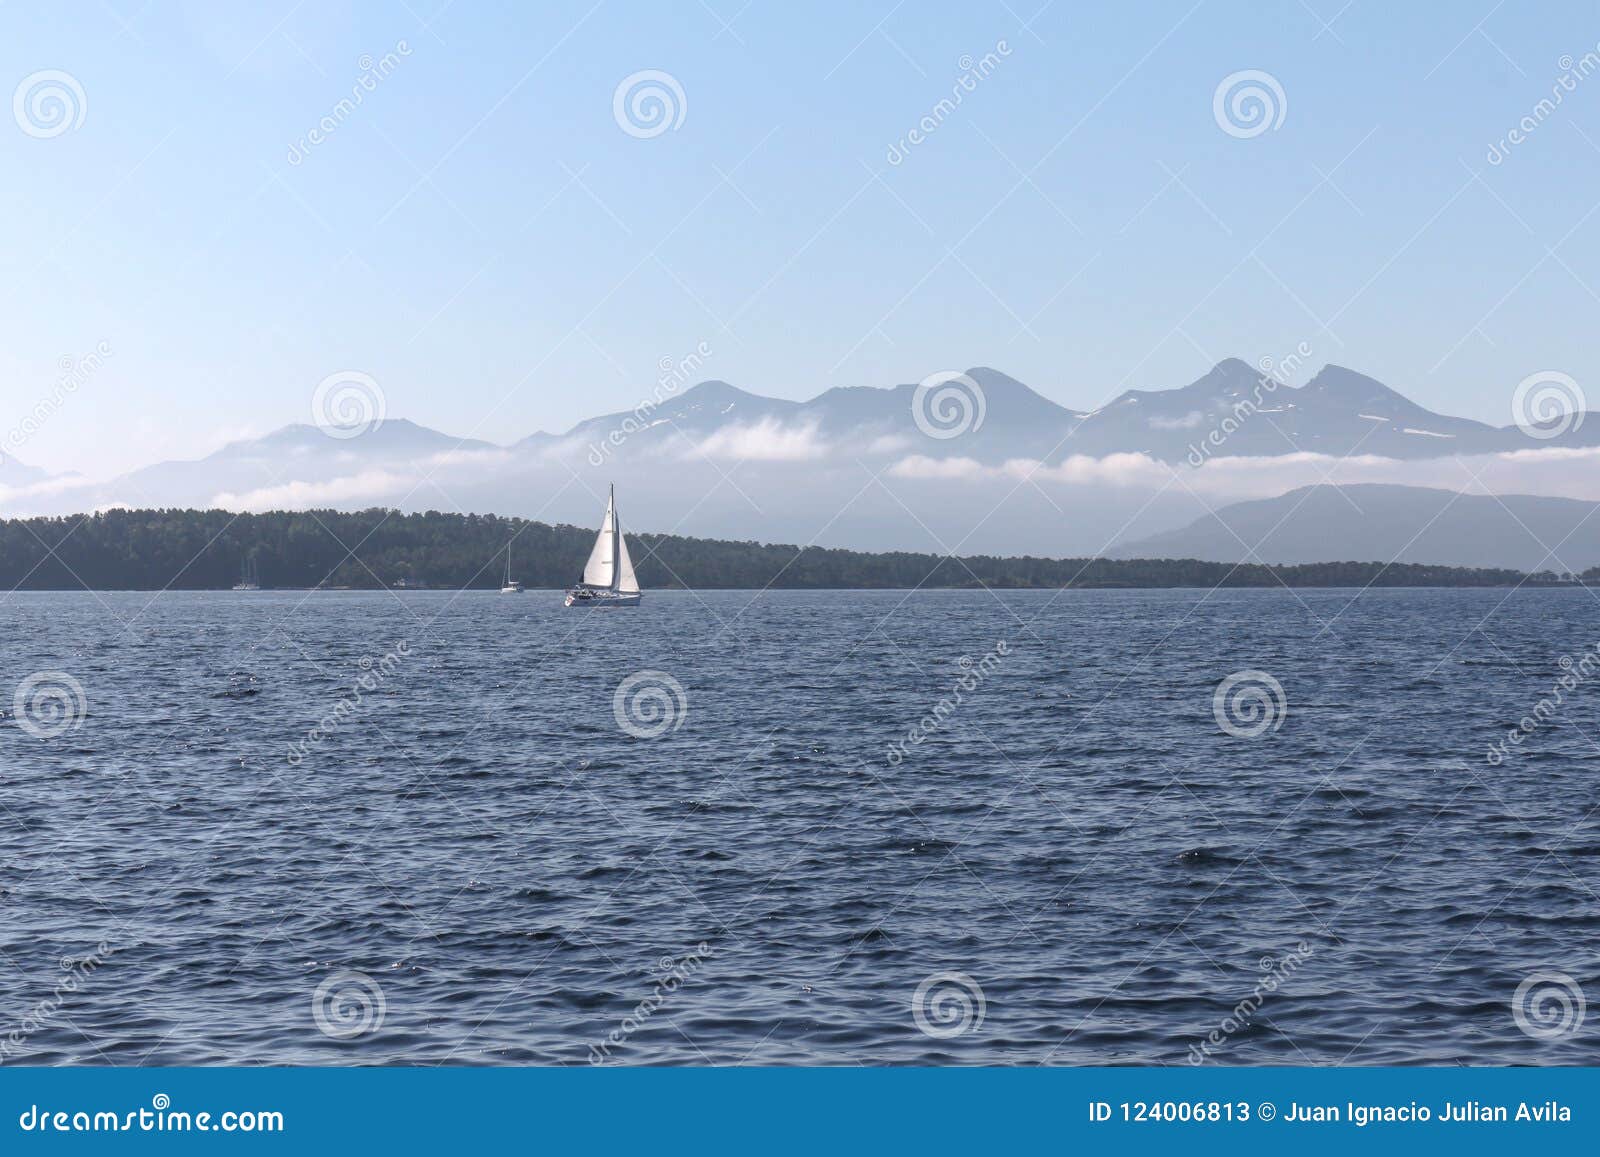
(511, 586)
(608, 579)
(249, 580)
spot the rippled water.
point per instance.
(1076, 850)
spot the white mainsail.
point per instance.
(602, 565)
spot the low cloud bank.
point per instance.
(765, 441)
(369, 484)
(1566, 472)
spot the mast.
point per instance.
(616, 539)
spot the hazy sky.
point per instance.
(482, 236)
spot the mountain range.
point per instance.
(978, 463)
(1338, 412)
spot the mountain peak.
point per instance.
(399, 435)
(715, 388)
(1334, 379)
(14, 470)
(993, 379)
(1349, 388)
(997, 383)
(1230, 376)
(701, 407)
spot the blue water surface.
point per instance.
(823, 828)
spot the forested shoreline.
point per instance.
(371, 549)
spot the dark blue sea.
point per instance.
(837, 828)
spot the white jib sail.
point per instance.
(626, 582)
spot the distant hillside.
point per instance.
(1406, 523)
(371, 549)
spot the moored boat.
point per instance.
(510, 586)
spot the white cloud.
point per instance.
(888, 444)
(14, 499)
(765, 441)
(55, 484)
(301, 495)
(1549, 471)
(1117, 469)
(921, 466)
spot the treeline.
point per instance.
(368, 549)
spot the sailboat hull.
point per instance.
(579, 597)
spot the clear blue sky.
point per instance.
(483, 238)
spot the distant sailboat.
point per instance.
(249, 579)
(511, 586)
(608, 579)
